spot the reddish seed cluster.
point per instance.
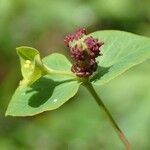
(76, 53)
(84, 51)
(93, 45)
(76, 36)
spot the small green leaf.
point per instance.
(31, 65)
(59, 66)
(121, 51)
(43, 95)
(57, 61)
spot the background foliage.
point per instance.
(78, 124)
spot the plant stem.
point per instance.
(90, 88)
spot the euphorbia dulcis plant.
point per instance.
(97, 58)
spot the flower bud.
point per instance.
(83, 50)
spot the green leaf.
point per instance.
(57, 61)
(59, 66)
(121, 51)
(31, 65)
(47, 93)
(43, 95)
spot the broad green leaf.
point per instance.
(43, 95)
(31, 65)
(47, 93)
(121, 51)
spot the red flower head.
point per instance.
(83, 50)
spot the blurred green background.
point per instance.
(78, 124)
